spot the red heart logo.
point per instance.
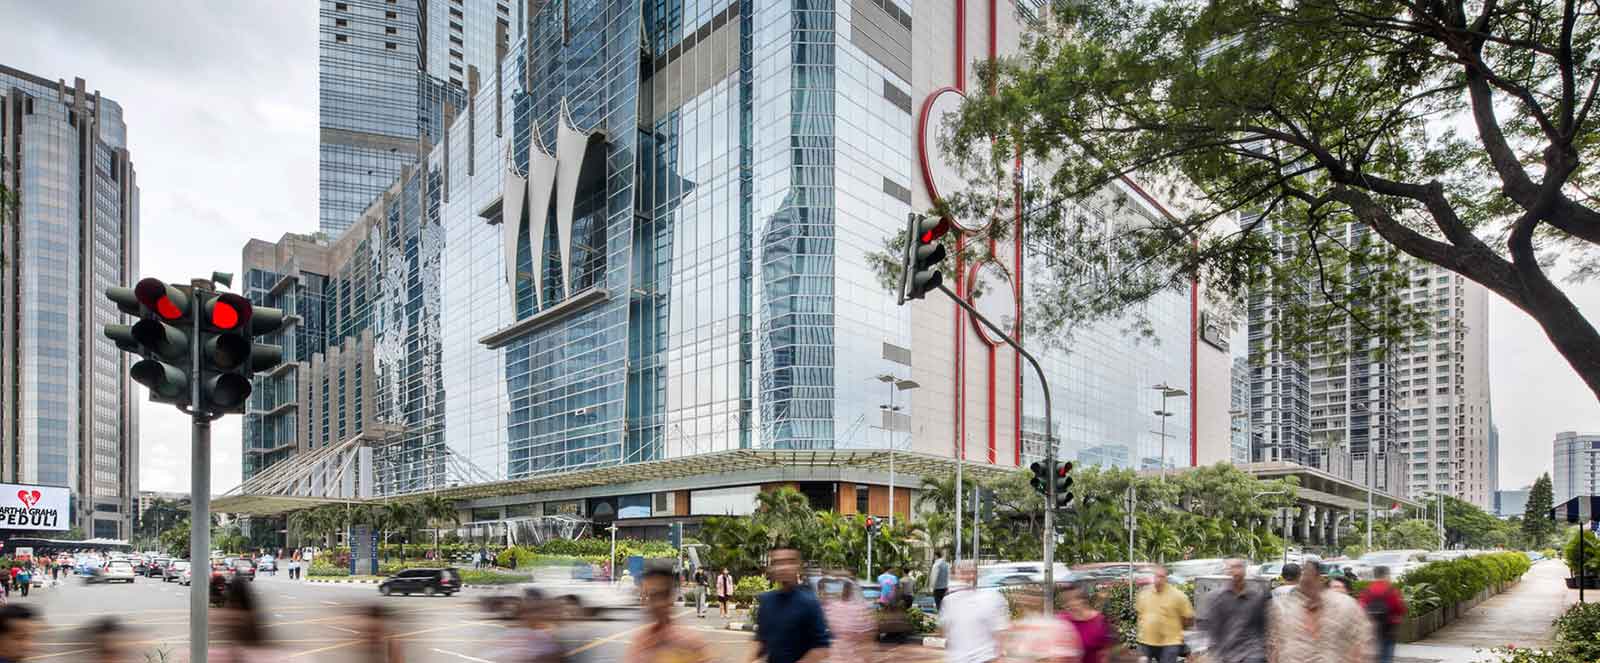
(29, 498)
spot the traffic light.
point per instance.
(985, 504)
(1041, 478)
(923, 253)
(159, 337)
(225, 345)
(873, 525)
(1063, 484)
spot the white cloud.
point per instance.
(221, 105)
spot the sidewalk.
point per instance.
(1521, 616)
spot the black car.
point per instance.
(431, 582)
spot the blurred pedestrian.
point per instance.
(790, 626)
(663, 641)
(1291, 580)
(702, 587)
(725, 587)
(1387, 607)
(850, 621)
(972, 619)
(240, 622)
(887, 582)
(1163, 612)
(941, 579)
(533, 639)
(1039, 637)
(1236, 620)
(1315, 625)
(105, 637)
(25, 579)
(376, 645)
(1339, 584)
(16, 632)
(1095, 635)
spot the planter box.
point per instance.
(1415, 628)
(1589, 582)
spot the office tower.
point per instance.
(392, 76)
(68, 412)
(1494, 453)
(1508, 503)
(1443, 388)
(1331, 405)
(1577, 455)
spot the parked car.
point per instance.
(155, 567)
(996, 576)
(1189, 569)
(1398, 561)
(177, 570)
(1113, 572)
(267, 564)
(244, 567)
(431, 582)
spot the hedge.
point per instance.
(1457, 580)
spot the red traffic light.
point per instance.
(168, 302)
(1064, 469)
(227, 312)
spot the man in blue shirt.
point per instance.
(887, 583)
(790, 627)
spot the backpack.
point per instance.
(1378, 610)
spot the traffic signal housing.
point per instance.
(1041, 478)
(225, 345)
(873, 525)
(160, 337)
(1063, 479)
(924, 254)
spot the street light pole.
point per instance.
(895, 384)
(1166, 393)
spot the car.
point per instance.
(117, 570)
(244, 567)
(154, 568)
(1102, 573)
(178, 569)
(996, 576)
(1398, 561)
(267, 564)
(1189, 569)
(186, 577)
(431, 582)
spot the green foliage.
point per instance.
(1537, 527)
(515, 557)
(486, 577)
(325, 566)
(921, 622)
(1578, 632)
(1315, 114)
(1591, 552)
(748, 587)
(175, 540)
(1438, 584)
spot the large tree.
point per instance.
(1453, 132)
(1537, 527)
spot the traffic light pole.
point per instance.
(1049, 453)
(199, 498)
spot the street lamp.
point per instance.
(1166, 393)
(1370, 479)
(895, 385)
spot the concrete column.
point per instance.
(1302, 525)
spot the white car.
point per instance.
(997, 576)
(575, 597)
(117, 570)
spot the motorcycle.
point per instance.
(219, 589)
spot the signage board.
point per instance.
(363, 550)
(28, 507)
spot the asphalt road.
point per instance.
(317, 622)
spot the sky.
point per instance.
(220, 99)
(221, 105)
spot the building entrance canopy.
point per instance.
(798, 464)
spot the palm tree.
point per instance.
(401, 518)
(437, 510)
(787, 515)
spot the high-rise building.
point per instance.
(659, 253)
(1421, 408)
(1577, 457)
(1508, 503)
(1443, 388)
(1494, 454)
(68, 411)
(392, 76)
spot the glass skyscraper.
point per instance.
(647, 234)
(68, 413)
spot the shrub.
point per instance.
(474, 577)
(921, 622)
(745, 591)
(1578, 632)
(1437, 584)
(1591, 552)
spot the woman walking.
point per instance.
(724, 590)
(1094, 634)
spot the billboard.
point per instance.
(26, 507)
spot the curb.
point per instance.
(342, 581)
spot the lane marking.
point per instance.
(42, 657)
(621, 634)
(319, 650)
(331, 603)
(461, 656)
(351, 631)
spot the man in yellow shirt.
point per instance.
(1163, 612)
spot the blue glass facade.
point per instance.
(68, 414)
